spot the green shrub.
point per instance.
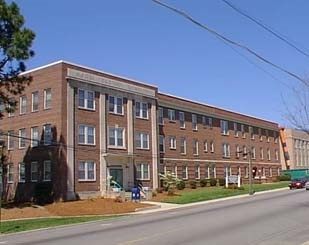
(241, 188)
(284, 177)
(203, 182)
(221, 181)
(192, 184)
(181, 185)
(213, 182)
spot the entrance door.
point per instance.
(117, 175)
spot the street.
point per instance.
(271, 218)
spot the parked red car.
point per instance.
(297, 183)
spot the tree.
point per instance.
(169, 182)
(15, 49)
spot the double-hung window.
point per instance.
(47, 98)
(22, 172)
(86, 134)
(22, 104)
(141, 110)
(47, 134)
(182, 119)
(194, 121)
(172, 142)
(142, 140)
(86, 171)
(171, 115)
(205, 146)
(225, 150)
(47, 170)
(34, 171)
(11, 140)
(22, 138)
(182, 145)
(235, 129)
(115, 105)
(224, 127)
(116, 137)
(35, 101)
(204, 123)
(160, 116)
(195, 147)
(34, 137)
(10, 173)
(142, 171)
(86, 99)
(161, 143)
(197, 171)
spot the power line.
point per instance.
(225, 39)
(270, 30)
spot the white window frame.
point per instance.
(195, 147)
(197, 171)
(204, 123)
(174, 170)
(115, 106)
(47, 134)
(10, 139)
(84, 102)
(35, 101)
(235, 125)
(261, 153)
(207, 174)
(205, 146)
(141, 110)
(22, 138)
(161, 144)
(85, 132)
(143, 171)
(22, 104)
(22, 172)
(251, 132)
(212, 146)
(224, 126)
(34, 171)
(47, 169)
(210, 122)
(34, 136)
(47, 98)
(160, 116)
(243, 131)
(260, 134)
(142, 140)
(237, 148)
(10, 173)
(194, 122)
(244, 152)
(276, 155)
(86, 170)
(268, 154)
(171, 115)
(183, 146)
(119, 134)
(246, 172)
(11, 113)
(253, 153)
(182, 121)
(226, 153)
(270, 172)
(184, 172)
(172, 142)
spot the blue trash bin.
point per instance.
(135, 194)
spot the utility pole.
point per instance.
(1, 178)
(251, 191)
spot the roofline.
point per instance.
(216, 107)
(88, 68)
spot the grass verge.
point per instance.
(14, 226)
(210, 193)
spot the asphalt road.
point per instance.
(267, 219)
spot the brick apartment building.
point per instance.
(75, 127)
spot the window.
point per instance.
(10, 140)
(235, 129)
(184, 172)
(275, 137)
(252, 152)
(86, 171)
(224, 127)
(85, 99)
(142, 171)
(268, 154)
(47, 98)
(35, 101)
(206, 171)
(251, 131)
(227, 171)
(161, 143)
(23, 104)
(197, 171)
(204, 123)
(34, 137)
(34, 172)
(205, 146)
(270, 172)
(22, 138)
(225, 150)
(278, 172)
(195, 147)
(246, 172)
(267, 135)
(243, 132)
(194, 121)
(10, 173)
(182, 119)
(172, 142)
(174, 170)
(213, 172)
(141, 110)
(244, 152)
(260, 134)
(237, 151)
(47, 170)
(261, 153)
(21, 172)
(142, 140)
(160, 116)
(210, 122)
(10, 107)
(182, 145)
(47, 134)
(115, 105)
(263, 172)
(212, 147)
(171, 115)
(116, 137)
(277, 155)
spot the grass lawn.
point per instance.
(210, 193)
(32, 224)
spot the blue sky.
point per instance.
(140, 40)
